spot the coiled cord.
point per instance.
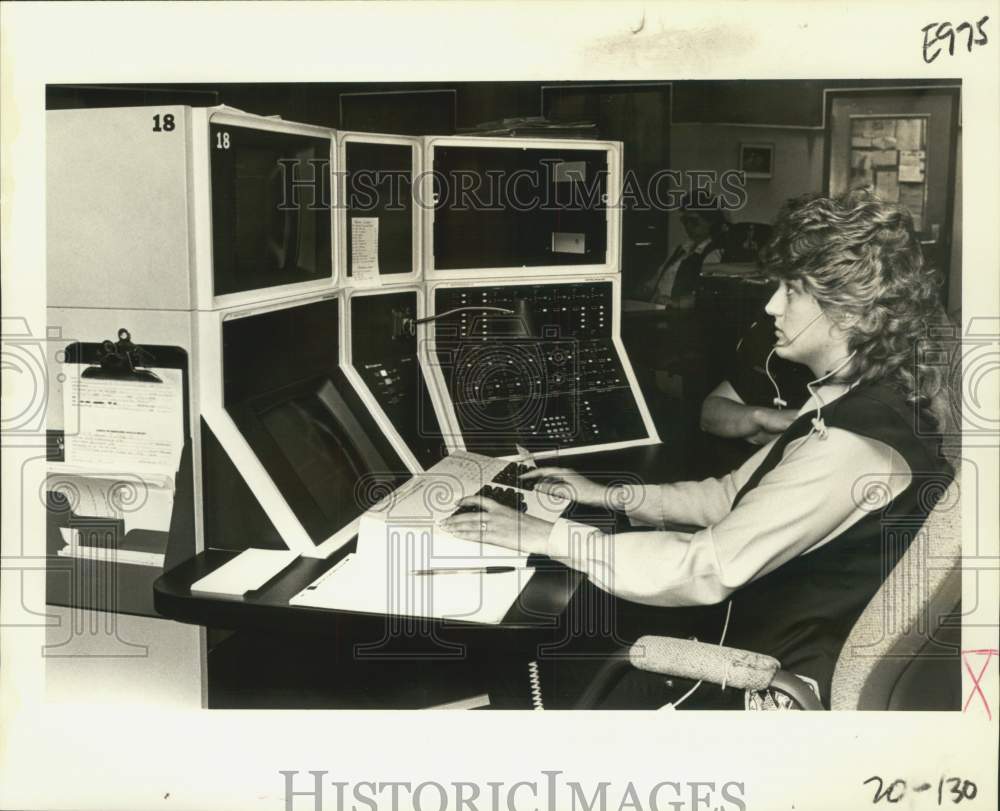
(536, 686)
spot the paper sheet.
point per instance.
(887, 185)
(910, 133)
(565, 242)
(364, 249)
(363, 585)
(249, 570)
(74, 549)
(885, 157)
(124, 425)
(403, 546)
(141, 501)
(911, 166)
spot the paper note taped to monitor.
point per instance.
(364, 249)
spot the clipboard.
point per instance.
(95, 357)
(129, 588)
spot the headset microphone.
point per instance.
(798, 334)
(778, 402)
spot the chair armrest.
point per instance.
(690, 659)
(794, 687)
(705, 661)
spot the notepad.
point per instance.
(359, 584)
(249, 570)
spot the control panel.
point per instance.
(539, 368)
(385, 356)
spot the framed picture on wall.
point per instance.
(757, 160)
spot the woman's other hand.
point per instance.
(565, 482)
(771, 422)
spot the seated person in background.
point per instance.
(792, 548)
(761, 394)
(674, 283)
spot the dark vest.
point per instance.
(802, 612)
(688, 277)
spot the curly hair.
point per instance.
(860, 258)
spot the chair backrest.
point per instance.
(903, 651)
(743, 240)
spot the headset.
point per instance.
(819, 427)
(778, 402)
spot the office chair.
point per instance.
(888, 658)
(743, 241)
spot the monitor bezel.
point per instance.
(201, 208)
(393, 280)
(610, 267)
(212, 409)
(442, 399)
(366, 395)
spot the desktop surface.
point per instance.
(537, 609)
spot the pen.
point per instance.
(468, 570)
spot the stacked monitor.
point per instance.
(384, 359)
(271, 205)
(500, 206)
(295, 427)
(549, 377)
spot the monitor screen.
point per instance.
(301, 417)
(270, 208)
(512, 207)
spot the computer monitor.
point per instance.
(527, 204)
(378, 189)
(285, 391)
(538, 365)
(271, 202)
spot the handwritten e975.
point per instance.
(935, 33)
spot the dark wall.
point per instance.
(788, 103)
(316, 103)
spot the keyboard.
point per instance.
(408, 520)
(433, 495)
(506, 496)
(511, 475)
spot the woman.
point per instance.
(675, 283)
(792, 544)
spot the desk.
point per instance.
(294, 656)
(537, 609)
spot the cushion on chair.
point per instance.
(900, 621)
(686, 658)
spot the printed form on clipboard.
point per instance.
(407, 564)
(123, 440)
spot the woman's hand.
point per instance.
(770, 422)
(499, 525)
(565, 482)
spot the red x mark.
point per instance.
(989, 653)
